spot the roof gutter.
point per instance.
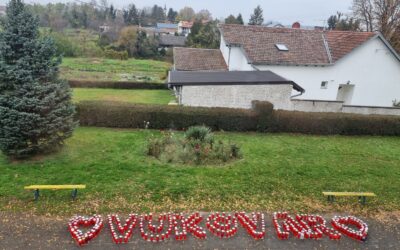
(301, 93)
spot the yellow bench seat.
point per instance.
(362, 195)
(36, 189)
(54, 187)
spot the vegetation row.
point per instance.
(261, 118)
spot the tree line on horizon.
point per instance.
(367, 15)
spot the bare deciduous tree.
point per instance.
(363, 9)
(382, 16)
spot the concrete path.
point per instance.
(38, 232)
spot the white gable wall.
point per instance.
(372, 68)
(235, 58)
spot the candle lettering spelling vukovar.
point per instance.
(221, 225)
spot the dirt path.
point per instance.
(40, 232)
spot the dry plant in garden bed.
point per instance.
(197, 146)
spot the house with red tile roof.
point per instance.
(334, 68)
(356, 68)
(184, 27)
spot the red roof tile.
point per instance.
(189, 59)
(342, 43)
(306, 47)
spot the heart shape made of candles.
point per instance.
(77, 222)
(122, 233)
(343, 224)
(222, 225)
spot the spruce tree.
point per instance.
(239, 19)
(36, 112)
(257, 18)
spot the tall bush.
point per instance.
(36, 112)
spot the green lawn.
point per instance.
(279, 171)
(122, 95)
(100, 69)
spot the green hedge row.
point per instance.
(125, 115)
(262, 118)
(116, 85)
(335, 123)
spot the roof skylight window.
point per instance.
(281, 47)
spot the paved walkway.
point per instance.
(32, 232)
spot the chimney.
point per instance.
(296, 25)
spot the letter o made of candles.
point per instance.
(222, 225)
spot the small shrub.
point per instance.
(265, 111)
(200, 133)
(154, 147)
(396, 103)
(113, 54)
(194, 149)
(235, 151)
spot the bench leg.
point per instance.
(36, 194)
(362, 199)
(74, 193)
(331, 198)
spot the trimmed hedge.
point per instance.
(126, 115)
(261, 118)
(116, 85)
(335, 123)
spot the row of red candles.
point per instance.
(155, 234)
(304, 227)
(339, 224)
(314, 227)
(220, 224)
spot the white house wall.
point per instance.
(236, 96)
(372, 68)
(234, 58)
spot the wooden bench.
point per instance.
(36, 189)
(362, 196)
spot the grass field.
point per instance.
(278, 172)
(122, 95)
(100, 69)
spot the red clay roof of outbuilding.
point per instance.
(190, 59)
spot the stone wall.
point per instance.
(366, 110)
(339, 107)
(241, 96)
(236, 96)
(316, 106)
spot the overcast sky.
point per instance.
(308, 12)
